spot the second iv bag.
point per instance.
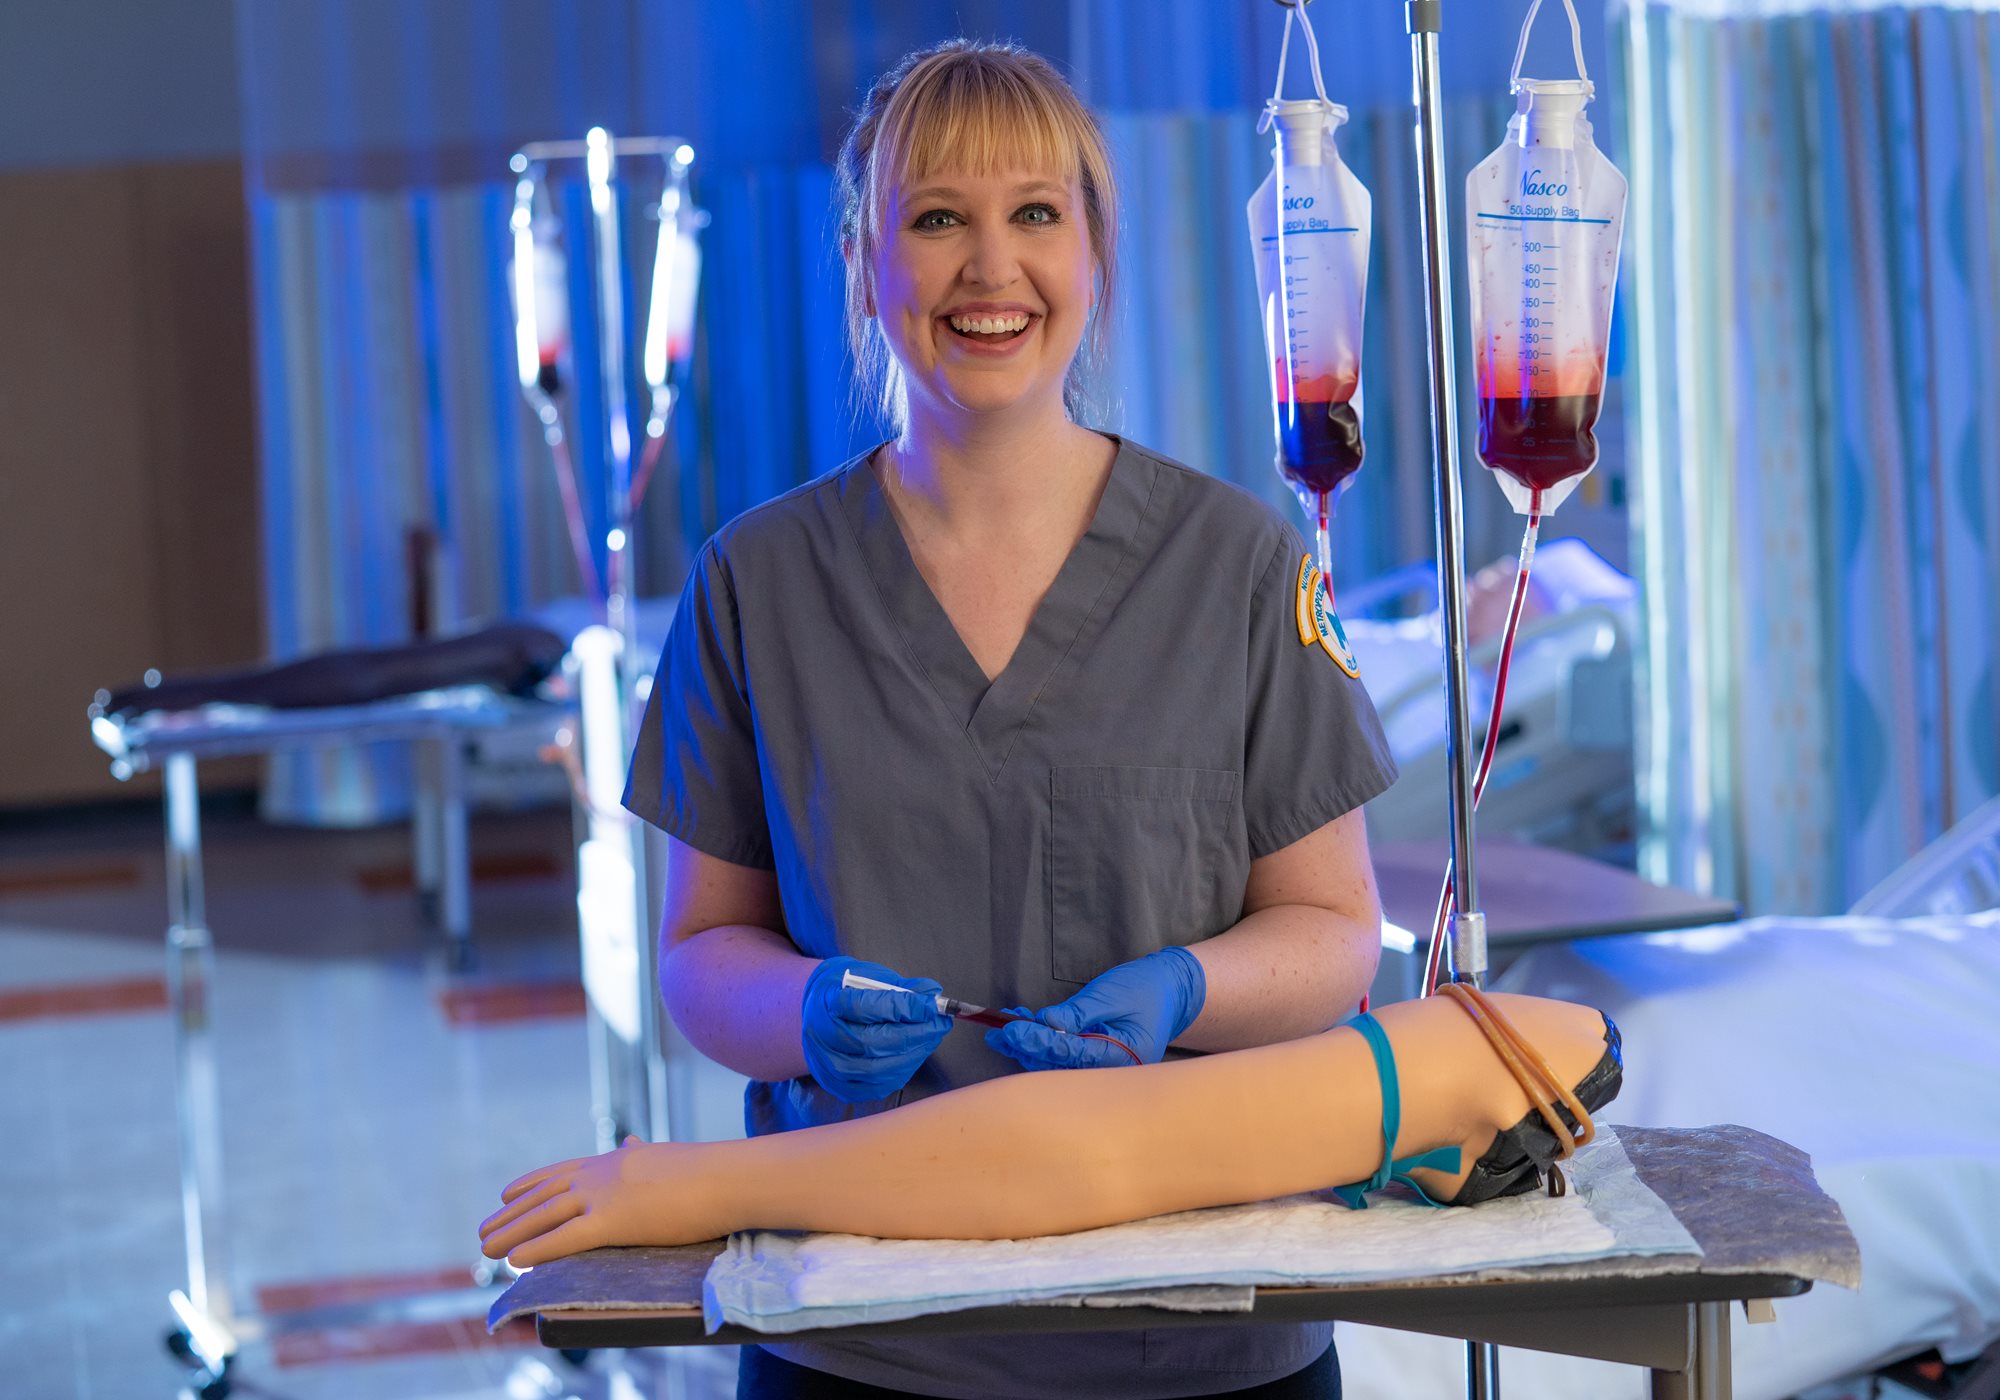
(1309, 233)
(1545, 214)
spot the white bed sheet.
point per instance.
(1874, 1044)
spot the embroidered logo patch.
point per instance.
(1307, 582)
(1318, 622)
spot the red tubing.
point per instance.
(1111, 1040)
(989, 1017)
(586, 562)
(649, 458)
(1447, 897)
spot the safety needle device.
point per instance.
(950, 1006)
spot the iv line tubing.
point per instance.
(1493, 716)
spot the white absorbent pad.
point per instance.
(778, 1282)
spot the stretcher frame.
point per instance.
(439, 725)
(1674, 1325)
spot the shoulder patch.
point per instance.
(1318, 622)
(1307, 581)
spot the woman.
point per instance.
(1006, 705)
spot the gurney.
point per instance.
(1743, 1221)
(440, 698)
(437, 696)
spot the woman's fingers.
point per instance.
(521, 1205)
(539, 1221)
(571, 1237)
(522, 1183)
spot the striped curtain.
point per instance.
(1815, 427)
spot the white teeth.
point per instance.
(990, 325)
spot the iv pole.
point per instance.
(1467, 929)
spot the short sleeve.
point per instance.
(694, 769)
(1314, 748)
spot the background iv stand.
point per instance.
(620, 960)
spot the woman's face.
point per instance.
(1009, 252)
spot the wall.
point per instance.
(128, 474)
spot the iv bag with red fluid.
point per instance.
(1309, 233)
(1545, 216)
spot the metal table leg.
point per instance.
(427, 835)
(1482, 1371)
(205, 1309)
(454, 850)
(1708, 1373)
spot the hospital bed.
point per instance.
(1869, 1040)
(1562, 771)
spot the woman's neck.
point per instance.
(976, 480)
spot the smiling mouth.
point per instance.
(990, 330)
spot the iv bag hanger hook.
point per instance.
(1521, 49)
(1296, 10)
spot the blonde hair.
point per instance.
(985, 109)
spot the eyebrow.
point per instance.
(947, 192)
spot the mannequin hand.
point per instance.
(1144, 1003)
(644, 1193)
(863, 1045)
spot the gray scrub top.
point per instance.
(1170, 715)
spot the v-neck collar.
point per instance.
(991, 712)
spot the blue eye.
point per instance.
(1051, 215)
(923, 220)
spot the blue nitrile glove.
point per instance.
(861, 1044)
(1144, 1003)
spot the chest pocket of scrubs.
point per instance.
(1141, 858)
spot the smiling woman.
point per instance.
(1007, 705)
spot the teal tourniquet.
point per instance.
(1443, 1159)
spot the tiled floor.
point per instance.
(372, 1104)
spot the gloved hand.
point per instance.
(861, 1044)
(1144, 1003)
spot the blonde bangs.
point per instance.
(975, 118)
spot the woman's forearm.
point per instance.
(735, 993)
(1285, 971)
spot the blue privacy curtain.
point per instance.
(1814, 289)
(377, 133)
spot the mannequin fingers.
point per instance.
(547, 1191)
(573, 1236)
(537, 1222)
(523, 1183)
